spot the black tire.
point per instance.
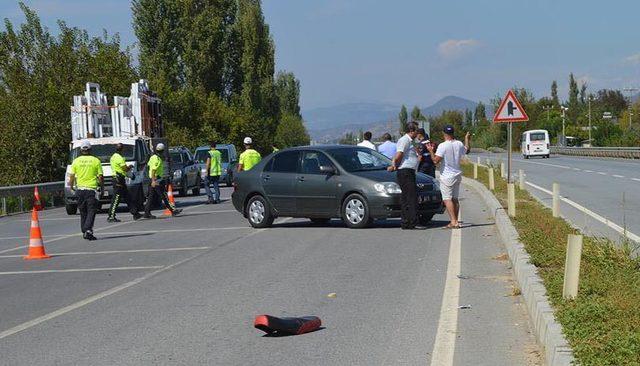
(259, 213)
(183, 188)
(425, 219)
(229, 181)
(72, 209)
(319, 221)
(355, 212)
(196, 190)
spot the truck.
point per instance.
(134, 121)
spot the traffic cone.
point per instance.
(36, 246)
(37, 203)
(172, 200)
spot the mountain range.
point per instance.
(331, 123)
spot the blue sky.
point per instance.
(415, 52)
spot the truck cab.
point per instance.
(137, 151)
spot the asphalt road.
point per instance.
(185, 290)
(597, 184)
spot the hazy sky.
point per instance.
(416, 51)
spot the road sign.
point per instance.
(510, 110)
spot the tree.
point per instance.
(554, 94)
(416, 114)
(574, 105)
(468, 118)
(288, 93)
(403, 118)
(291, 132)
(480, 114)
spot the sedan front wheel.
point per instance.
(259, 212)
(355, 212)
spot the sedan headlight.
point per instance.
(388, 188)
(177, 174)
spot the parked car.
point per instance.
(324, 182)
(184, 172)
(229, 161)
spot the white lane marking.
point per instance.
(80, 270)
(445, 342)
(116, 252)
(218, 211)
(619, 229)
(176, 230)
(26, 237)
(546, 164)
(602, 173)
(577, 169)
(51, 219)
(33, 322)
(636, 179)
(618, 176)
(588, 171)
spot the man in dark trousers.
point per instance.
(119, 169)
(157, 185)
(405, 162)
(86, 175)
(426, 164)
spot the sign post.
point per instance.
(510, 111)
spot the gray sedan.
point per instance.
(324, 182)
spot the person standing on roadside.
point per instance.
(119, 169)
(214, 170)
(86, 175)
(450, 153)
(157, 185)
(426, 164)
(249, 157)
(388, 147)
(366, 141)
(405, 162)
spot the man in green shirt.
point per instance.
(249, 158)
(157, 185)
(214, 170)
(86, 174)
(119, 169)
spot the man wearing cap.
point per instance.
(449, 153)
(405, 162)
(214, 170)
(157, 185)
(119, 169)
(86, 174)
(426, 164)
(249, 157)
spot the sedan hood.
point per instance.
(387, 176)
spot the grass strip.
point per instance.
(602, 324)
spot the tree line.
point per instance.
(212, 63)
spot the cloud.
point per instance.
(633, 59)
(454, 48)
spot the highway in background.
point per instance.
(185, 290)
(597, 184)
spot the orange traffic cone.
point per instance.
(36, 246)
(37, 203)
(172, 200)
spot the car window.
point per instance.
(313, 160)
(175, 156)
(353, 159)
(284, 162)
(538, 136)
(185, 157)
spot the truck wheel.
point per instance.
(355, 212)
(71, 208)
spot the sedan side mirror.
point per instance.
(327, 169)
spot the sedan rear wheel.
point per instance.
(355, 212)
(259, 212)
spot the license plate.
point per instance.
(423, 199)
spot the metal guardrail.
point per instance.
(606, 152)
(12, 198)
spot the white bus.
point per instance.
(535, 143)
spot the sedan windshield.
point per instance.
(357, 159)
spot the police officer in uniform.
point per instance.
(214, 170)
(119, 168)
(249, 157)
(86, 174)
(157, 185)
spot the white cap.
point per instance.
(85, 145)
(160, 147)
(248, 141)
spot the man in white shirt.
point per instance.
(449, 153)
(366, 142)
(405, 162)
(388, 147)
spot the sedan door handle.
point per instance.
(301, 179)
(266, 177)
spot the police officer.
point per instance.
(119, 168)
(86, 174)
(157, 185)
(249, 157)
(214, 170)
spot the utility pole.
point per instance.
(589, 98)
(564, 136)
(547, 108)
(631, 91)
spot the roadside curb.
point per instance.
(548, 331)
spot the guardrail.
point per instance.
(14, 199)
(606, 152)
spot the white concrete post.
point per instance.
(478, 160)
(511, 199)
(492, 183)
(572, 267)
(521, 179)
(503, 171)
(555, 208)
(475, 171)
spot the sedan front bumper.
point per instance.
(389, 206)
